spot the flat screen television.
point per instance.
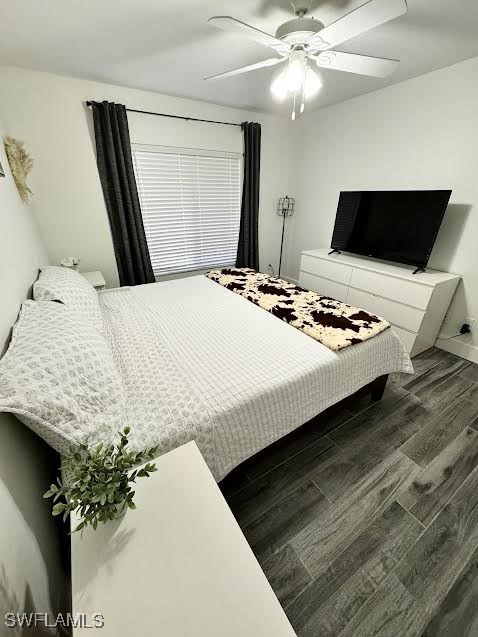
(400, 226)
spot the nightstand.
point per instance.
(95, 278)
(178, 562)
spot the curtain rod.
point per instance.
(188, 119)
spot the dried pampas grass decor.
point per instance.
(20, 164)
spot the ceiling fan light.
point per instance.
(296, 79)
(291, 79)
(279, 87)
(313, 84)
(295, 70)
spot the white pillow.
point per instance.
(57, 283)
(58, 376)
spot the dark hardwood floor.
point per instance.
(365, 520)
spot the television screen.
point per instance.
(399, 226)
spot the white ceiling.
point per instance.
(169, 46)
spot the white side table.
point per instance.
(95, 278)
(177, 566)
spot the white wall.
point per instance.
(21, 250)
(48, 113)
(31, 575)
(420, 134)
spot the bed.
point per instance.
(175, 361)
(200, 362)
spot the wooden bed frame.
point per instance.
(376, 388)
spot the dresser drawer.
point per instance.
(327, 269)
(326, 287)
(410, 318)
(408, 338)
(400, 290)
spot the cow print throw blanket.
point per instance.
(333, 323)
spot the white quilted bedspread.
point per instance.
(200, 362)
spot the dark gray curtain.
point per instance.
(248, 245)
(115, 165)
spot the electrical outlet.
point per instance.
(470, 322)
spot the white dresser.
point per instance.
(415, 304)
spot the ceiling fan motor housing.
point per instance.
(298, 31)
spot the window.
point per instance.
(191, 205)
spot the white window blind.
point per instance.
(191, 206)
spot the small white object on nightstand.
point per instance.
(96, 279)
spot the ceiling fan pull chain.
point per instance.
(293, 110)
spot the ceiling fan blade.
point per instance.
(369, 15)
(232, 25)
(359, 64)
(246, 69)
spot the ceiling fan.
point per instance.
(304, 41)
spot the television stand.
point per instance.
(418, 270)
(334, 251)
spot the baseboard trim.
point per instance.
(290, 279)
(465, 350)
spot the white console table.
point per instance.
(177, 566)
(415, 304)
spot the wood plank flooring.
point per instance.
(365, 520)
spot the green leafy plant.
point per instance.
(100, 478)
